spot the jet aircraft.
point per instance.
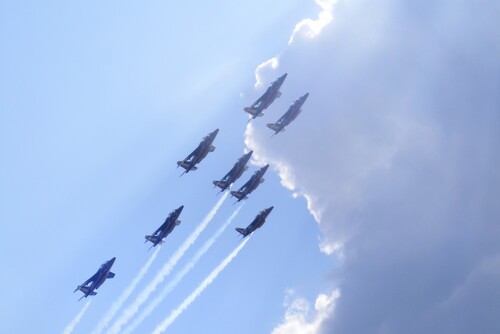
(263, 102)
(251, 185)
(158, 236)
(292, 113)
(235, 173)
(97, 279)
(199, 153)
(256, 223)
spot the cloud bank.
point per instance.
(396, 153)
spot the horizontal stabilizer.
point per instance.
(273, 126)
(151, 238)
(220, 184)
(111, 275)
(212, 148)
(186, 165)
(254, 112)
(251, 111)
(85, 290)
(242, 231)
(237, 194)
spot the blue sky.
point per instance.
(385, 188)
(98, 102)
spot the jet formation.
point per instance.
(96, 280)
(199, 153)
(172, 220)
(189, 164)
(263, 102)
(256, 223)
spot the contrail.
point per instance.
(180, 275)
(77, 319)
(164, 271)
(125, 294)
(197, 292)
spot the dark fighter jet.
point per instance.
(292, 113)
(234, 174)
(257, 222)
(96, 281)
(199, 153)
(251, 185)
(158, 236)
(267, 98)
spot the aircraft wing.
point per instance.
(260, 99)
(282, 120)
(280, 123)
(158, 230)
(226, 177)
(193, 154)
(92, 279)
(246, 185)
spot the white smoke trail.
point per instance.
(125, 294)
(197, 292)
(77, 319)
(173, 283)
(164, 271)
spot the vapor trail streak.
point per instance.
(77, 319)
(180, 275)
(125, 294)
(164, 271)
(197, 292)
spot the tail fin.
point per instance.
(242, 231)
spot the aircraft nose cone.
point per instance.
(112, 260)
(265, 167)
(215, 132)
(271, 208)
(180, 208)
(283, 77)
(305, 96)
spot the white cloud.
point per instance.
(310, 28)
(262, 71)
(395, 154)
(300, 319)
